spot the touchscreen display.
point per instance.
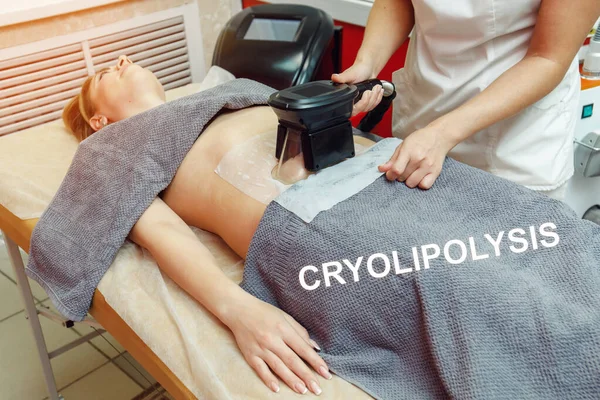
(282, 30)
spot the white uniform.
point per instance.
(458, 48)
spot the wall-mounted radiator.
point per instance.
(38, 79)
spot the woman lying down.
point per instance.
(476, 288)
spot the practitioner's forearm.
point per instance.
(519, 87)
(555, 42)
(191, 265)
(388, 26)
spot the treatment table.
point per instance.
(184, 347)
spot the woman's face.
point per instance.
(123, 90)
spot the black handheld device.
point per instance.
(314, 120)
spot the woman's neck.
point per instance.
(142, 105)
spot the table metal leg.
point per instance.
(32, 314)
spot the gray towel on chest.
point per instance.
(115, 175)
(515, 320)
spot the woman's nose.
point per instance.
(123, 60)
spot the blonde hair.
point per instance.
(77, 113)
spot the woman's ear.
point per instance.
(98, 122)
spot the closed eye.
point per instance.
(101, 73)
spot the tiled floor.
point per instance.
(99, 370)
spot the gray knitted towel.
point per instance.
(115, 175)
(520, 323)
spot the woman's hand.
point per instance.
(419, 158)
(359, 72)
(273, 342)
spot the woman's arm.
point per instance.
(388, 26)
(560, 30)
(267, 336)
(176, 249)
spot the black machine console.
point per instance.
(280, 45)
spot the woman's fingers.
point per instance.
(264, 373)
(291, 369)
(416, 177)
(269, 339)
(308, 354)
(380, 97)
(399, 166)
(358, 72)
(375, 98)
(352, 74)
(300, 330)
(418, 160)
(369, 100)
(362, 104)
(409, 169)
(386, 167)
(429, 179)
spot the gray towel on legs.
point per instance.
(517, 325)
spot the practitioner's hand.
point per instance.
(419, 158)
(359, 72)
(273, 342)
